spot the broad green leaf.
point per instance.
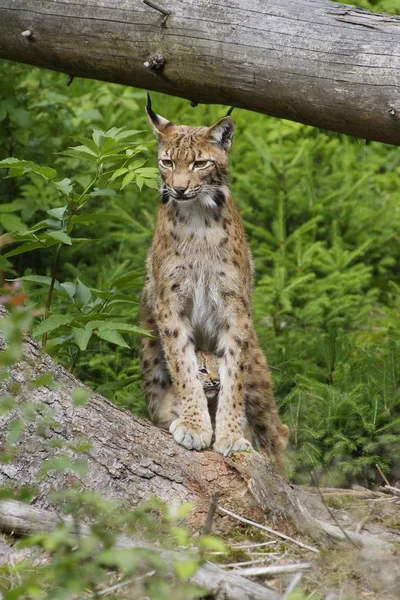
(65, 186)
(113, 337)
(69, 287)
(148, 172)
(28, 247)
(80, 155)
(93, 146)
(38, 279)
(116, 326)
(151, 183)
(127, 179)
(136, 164)
(51, 323)
(118, 173)
(82, 336)
(26, 166)
(10, 222)
(84, 150)
(83, 293)
(60, 236)
(8, 207)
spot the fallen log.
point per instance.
(131, 460)
(313, 61)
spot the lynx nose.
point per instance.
(180, 190)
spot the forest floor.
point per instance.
(343, 571)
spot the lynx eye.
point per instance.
(201, 164)
(166, 163)
(203, 371)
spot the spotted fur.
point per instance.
(198, 295)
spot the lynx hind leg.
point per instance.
(155, 374)
(261, 410)
(170, 408)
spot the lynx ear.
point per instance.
(221, 133)
(158, 122)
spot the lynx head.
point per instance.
(207, 364)
(193, 161)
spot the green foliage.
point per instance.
(322, 215)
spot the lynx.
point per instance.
(197, 294)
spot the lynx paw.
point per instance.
(227, 445)
(191, 437)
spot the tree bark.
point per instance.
(313, 61)
(130, 459)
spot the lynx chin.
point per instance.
(197, 296)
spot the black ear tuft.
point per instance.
(152, 115)
(228, 114)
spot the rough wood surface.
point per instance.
(313, 61)
(132, 460)
(19, 519)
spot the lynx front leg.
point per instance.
(193, 428)
(233, 347)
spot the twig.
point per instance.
(268, 529)
(211, 513)
(346, 535)
(294, 583)
(382, 474)
(160, 9)
(276, 570)
(244, 563)
(119, 585)
(257, 545)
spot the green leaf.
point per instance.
(65, 186)
(60, 236)
(37, 279)
(11, 222)
(82, 294)
(93, 146)
(118, 173)
(69, 287)
(58, 213)
(51, 323)
(80, 396)
(127, 179)
(9, 207)
(116, 326)
(113, 337)
(151, 183)
(82, 336)
(28, 247)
